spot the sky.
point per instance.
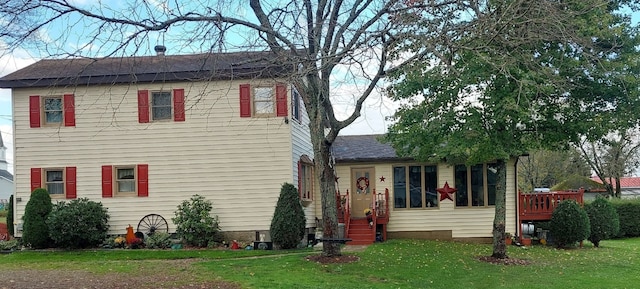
(372, 121)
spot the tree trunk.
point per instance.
(499, 221)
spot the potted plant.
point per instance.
(525, 241)
(508, 238)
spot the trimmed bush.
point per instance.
(194, 222)
(10, 222)
(79, 223)
(159, 240)
(628, 212)
(287, 225)
(569, 224)
(35, 232)
(603, 219)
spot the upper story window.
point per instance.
(295, 104)
(163, 105)
(476, 185)
(415, 186)
(53, 110)
(263, 100)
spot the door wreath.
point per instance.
(362, 183)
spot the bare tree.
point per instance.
(613, 157)
(546, 168)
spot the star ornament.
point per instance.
(446, 191)
(382, 179)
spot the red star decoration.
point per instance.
(382, 179)
(446, 191)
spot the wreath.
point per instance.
(359, 183)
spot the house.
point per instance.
(416, 207)
(6, 178)
(142, 134)
(629, 186)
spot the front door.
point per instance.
(362, 186)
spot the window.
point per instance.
(476, 185)
(305, 178)
(161, 105)
(123, 181)
(295, 104)
(421, 191)
(263, 100)
(164, 105)
(59, 182)
(52, 110)
(54, 182)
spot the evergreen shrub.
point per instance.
(628, 212)
(288, 223)
(35, 232)
(194, 222)
(569, 224)
(10, 222)
(79, 223)
(603, 219)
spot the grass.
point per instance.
(393, 264)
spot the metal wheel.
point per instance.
(152, 223)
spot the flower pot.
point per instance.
(526, 241)
(507, 241)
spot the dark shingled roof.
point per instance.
(159, 68)
(5, 174)
(362, 148)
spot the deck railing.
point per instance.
(540, 206)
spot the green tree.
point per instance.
(604, 220)
(509, 87)
(35, 231)
(10, 222)
(288, 223)
(544, 168)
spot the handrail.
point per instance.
(347, 217)
(540, 206)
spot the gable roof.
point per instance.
(136, 69)
(363, 148)
(625, 182)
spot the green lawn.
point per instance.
(393, 264)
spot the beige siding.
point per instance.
(301, 145)
(237, 163)
(463, 222)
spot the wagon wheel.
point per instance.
(152, 223)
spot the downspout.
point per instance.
(515, 171)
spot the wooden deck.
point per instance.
(539, 206)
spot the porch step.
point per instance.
(360, 233)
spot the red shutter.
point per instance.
(281, 100)
(143, 180)
(143, 106)
(36, 178)
(300, 179)
(245, 100)
(178, 105)
(70, 182)
(34, 110)
(107, 181)
(69, 110)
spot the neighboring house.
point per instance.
(629, 186)
(143, 134)
(6, 178)
(364, 165)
